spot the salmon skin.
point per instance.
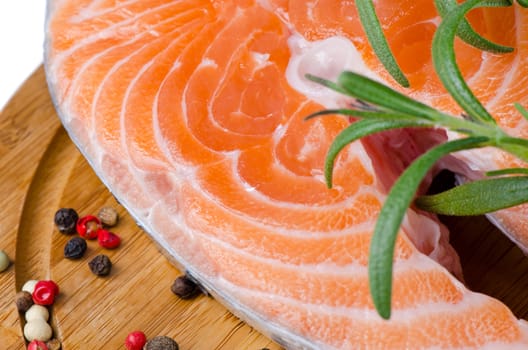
(192, 113)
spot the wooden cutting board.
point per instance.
(41, 171)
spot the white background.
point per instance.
(21, 43)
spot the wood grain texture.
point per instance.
(41, 171)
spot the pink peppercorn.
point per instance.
(135, 340)
(88, 226)
(37, 345)
(108, 239)
(45, 292)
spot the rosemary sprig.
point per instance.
(383, 108)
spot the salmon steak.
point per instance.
(192, 112)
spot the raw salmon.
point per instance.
(192, 113)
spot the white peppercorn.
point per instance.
(37, 312)
(4, 261)
(38, 329)
(29, 286)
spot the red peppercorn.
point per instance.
(88, 226)
(108, 239)
(37, 345)
(135, 340)
(45, 292)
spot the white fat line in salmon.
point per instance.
(415, 262)
(509, 78)
(90, 11)
(346, 204)
(111, 31)
(469, 301)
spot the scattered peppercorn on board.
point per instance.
(42, 171)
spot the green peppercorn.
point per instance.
(100, 265)
(66, 219)
(75, 248)
(161, 343)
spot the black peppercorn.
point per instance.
(75, 248)
(66, 219)
(185, 287)
(100, 265)
(23, 301)
(161, 343)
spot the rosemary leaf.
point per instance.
(446, 67)
(371, 91)
(361, 129)
(372, 26)
(477, 197)
(378, 114)
(391, 216)
(521, 110)
(514, 145)
(508, 171)
(325, 82)
(467, 33)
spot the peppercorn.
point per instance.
(75, 248)
(23, 301)
(161, 343)
(37, 329)
(53, 344)
(108, 239)
(135, 340)
(37, 312)
(4, 261)
(88, 226)
(185, 288)
(66, 220)
(45, 292)
(29, 286)
(100, 265)
(108, 216)
(37, 345)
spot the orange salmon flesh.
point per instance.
(192, 113)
